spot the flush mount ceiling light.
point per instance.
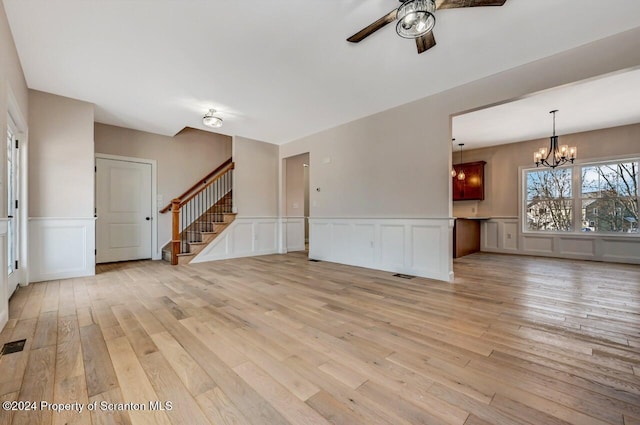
(210, 120)
(415, 18)
(555, 155)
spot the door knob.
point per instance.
(147, 218)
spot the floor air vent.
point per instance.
(13, 347)
(404, 276)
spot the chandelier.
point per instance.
(555, 155)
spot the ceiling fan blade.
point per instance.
(366, 32)
(453, 4)
(425, 42)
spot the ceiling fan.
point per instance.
(416, 19)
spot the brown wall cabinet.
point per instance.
(472, 187)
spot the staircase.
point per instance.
(203, 231)
(200, 215)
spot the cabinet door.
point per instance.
(472, 187)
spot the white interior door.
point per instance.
(13, 180)
(123, 208)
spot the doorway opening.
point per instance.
(296, 202)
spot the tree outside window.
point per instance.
(610, 197)
(549, 203)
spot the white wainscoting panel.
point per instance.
(577, 246)
(419, 247)
(490, 239)
(620, 250)
(4, 285)
(538, 244)
(363, 242)
(294, 237)
(392, 241)
(623, 248)
(245, 237)
(509, 235)
(61, 248)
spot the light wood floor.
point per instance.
(278, 340)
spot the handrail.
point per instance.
(200, 212)
(167, 208)
(193, 195)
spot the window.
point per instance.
(599, 197)
(609, 197)
(549, 203)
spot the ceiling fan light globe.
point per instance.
(415, 18)
(212, 121)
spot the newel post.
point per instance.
(175, 231)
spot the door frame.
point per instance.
(22, 219)
(156, 253)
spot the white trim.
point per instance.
(61, 218)
(61, 248)
(293, 233)
(504, 236)
(244, 237)
(156, 250)
(576, 199)
(420, 247)
(20, 123)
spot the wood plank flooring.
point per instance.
(280, 340)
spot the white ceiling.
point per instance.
(278, 70)
(609, 101)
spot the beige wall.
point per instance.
(397, 163)
(295, 185)
(255, 180)
(11, 81)
(503, 162)
(182, 160)
(61, 176)
(10, 69)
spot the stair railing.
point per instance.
(198, 212)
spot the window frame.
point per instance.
(576, 199)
